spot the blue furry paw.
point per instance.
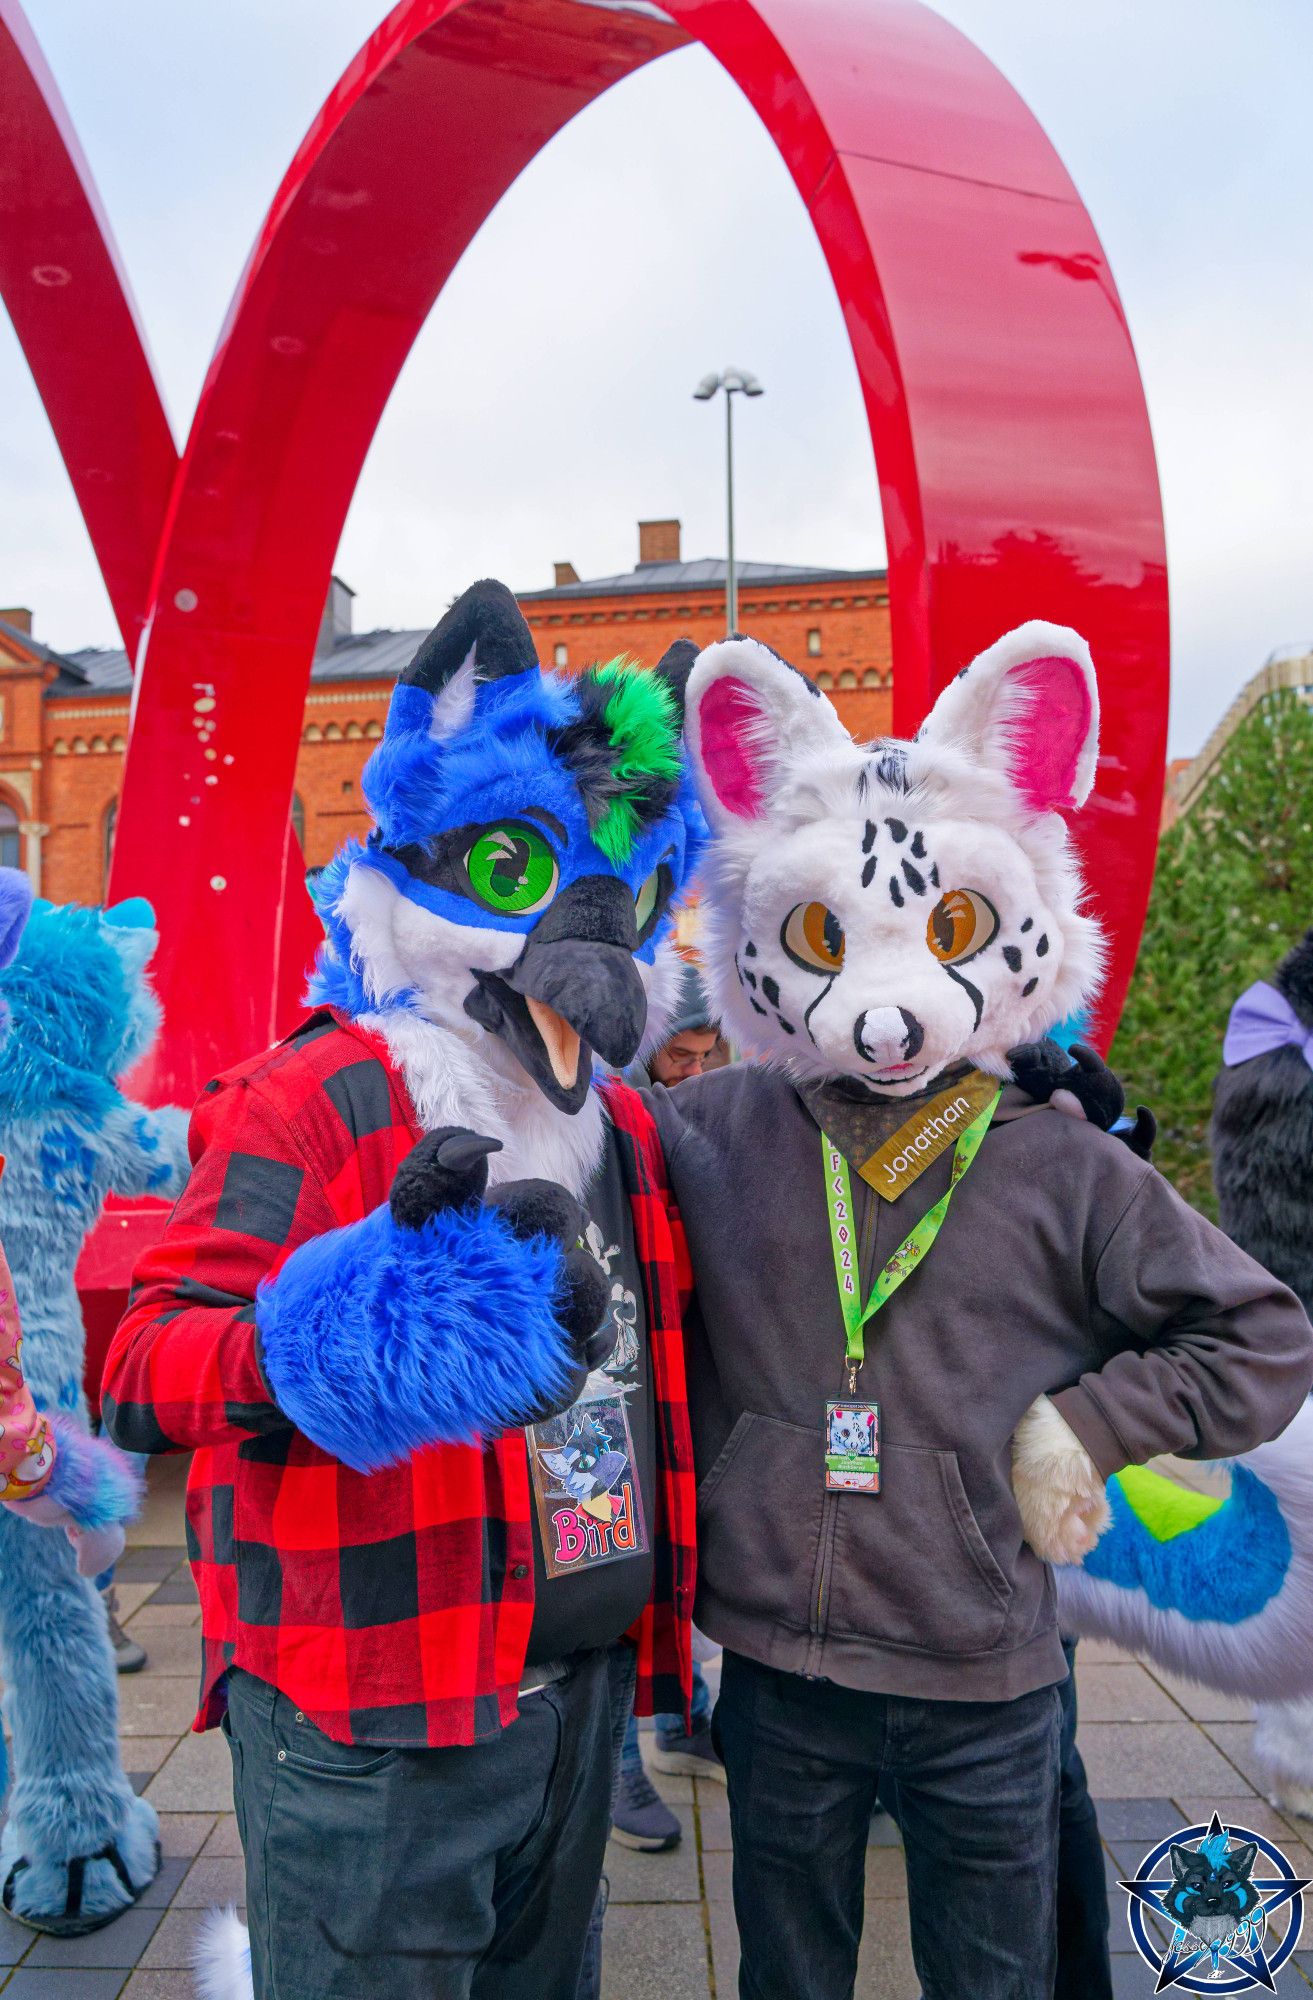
(95, 1483)
(380, 1339)
(45, 1889)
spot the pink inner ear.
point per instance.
(726, 715)
(1049, 731)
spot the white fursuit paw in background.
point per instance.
(1061, 1496)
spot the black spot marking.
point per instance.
(914, 878)
(895, 892)
(787, 1026)
(1041, 944)
(1012, 957)
(1029, 988)
(891, 766)
(868, 871)
(771, 989)
(750, 949)
(757, 1007)
(751, 978)
(897, 829)
(934, 873)
(918, 845)
(1029, 925)
(868, 838)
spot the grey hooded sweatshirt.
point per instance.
(1065, 1266)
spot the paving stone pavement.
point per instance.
(1160, 1755)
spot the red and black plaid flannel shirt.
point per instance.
(392, 1607)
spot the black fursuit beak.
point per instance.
(560, 1001)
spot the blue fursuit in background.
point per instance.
(78, 1846)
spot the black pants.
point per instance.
(978, 1801)
(1084, 1967)
(460, 1874)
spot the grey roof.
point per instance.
(46, 654)
(706, 574)
(368, 656)
(374, 656)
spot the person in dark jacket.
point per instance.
(931, 1318)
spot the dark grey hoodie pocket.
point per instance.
(910, 1566)
(759, 1519)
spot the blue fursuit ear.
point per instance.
(482, 641)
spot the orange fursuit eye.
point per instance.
(961, 924)
(813, 937)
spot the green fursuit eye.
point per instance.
(512, 870)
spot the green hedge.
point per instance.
(1233, 890)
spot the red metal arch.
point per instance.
(1015, 462)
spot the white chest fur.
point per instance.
(453, 1081)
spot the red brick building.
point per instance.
(64, 717)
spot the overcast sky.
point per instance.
(658, 237)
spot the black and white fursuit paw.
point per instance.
(1075, 1080)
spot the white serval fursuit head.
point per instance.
(881, 911)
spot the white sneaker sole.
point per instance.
(644, 1843)
(683, 1764)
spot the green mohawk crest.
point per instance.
(623, 750)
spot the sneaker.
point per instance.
(642, 1818)
(129, 1657)
(689, 1757)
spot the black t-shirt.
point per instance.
(592, 1469)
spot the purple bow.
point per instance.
(1262, 1020)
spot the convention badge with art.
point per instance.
(590, 1510)
(852, 1447)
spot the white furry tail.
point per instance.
(222, 1961)
(1060, 1496)
(1283, 1753)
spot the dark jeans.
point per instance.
(1084, 1967)
(977, 1786)
(458, 1874)
(622, 1678)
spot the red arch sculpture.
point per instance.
(1011, 439)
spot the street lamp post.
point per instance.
(734, 381)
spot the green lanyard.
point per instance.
(914, 1246)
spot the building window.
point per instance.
(11, 840)
(871, 678)
(298, 819)
(824, 680)
(814, 641)
(2, 717)
(847, 678)
(560, 654)
(111, 827)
